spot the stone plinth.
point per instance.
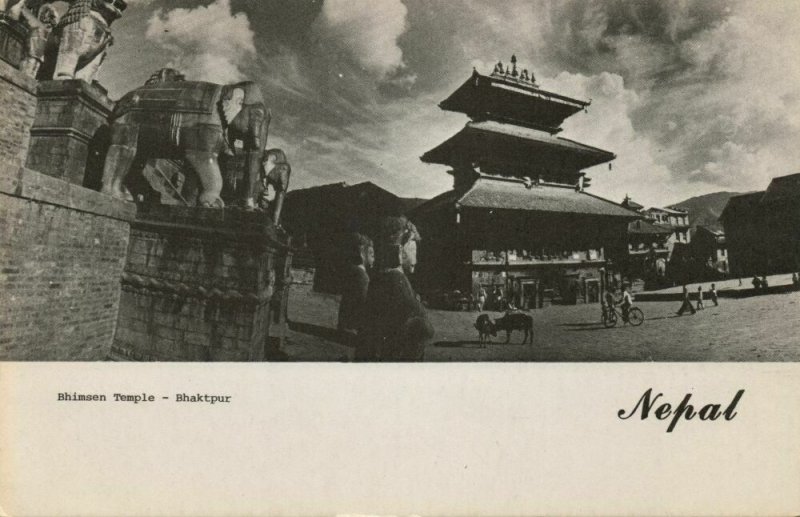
(200, 284)
(17, 111)
(12, 40)
(70, 131)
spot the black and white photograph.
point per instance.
(232, 230)
(423, 181)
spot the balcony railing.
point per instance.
(484, 257)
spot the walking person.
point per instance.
(700, 305)
(713, 293)
(687, 304)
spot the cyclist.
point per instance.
(627, 303)
(610, 302)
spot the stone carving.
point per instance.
(39, 29)
(396, 324)
(190, 120)
(83, 36)
(275, 172)
(12, 7)
(360, 256)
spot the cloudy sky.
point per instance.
(692, 96)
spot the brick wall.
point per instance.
(17, 112)
(198, 286)
(62, 252)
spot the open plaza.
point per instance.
(754, 328)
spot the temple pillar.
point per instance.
(70, 131)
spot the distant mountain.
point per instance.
(705, 210)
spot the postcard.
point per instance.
(399, 257)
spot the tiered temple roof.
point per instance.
(510, 97)
(490, 142)
(513, 128)
(516, 194)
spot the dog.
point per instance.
(485, 329)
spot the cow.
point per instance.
(485, 329)
(515, 321)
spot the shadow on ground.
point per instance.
(472, 344)
(316, 330)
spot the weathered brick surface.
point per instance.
(198, 286)
(17, 111)
(59, 280)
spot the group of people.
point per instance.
(380, 315)
(496, 301)
(686, 305)
(760, 283)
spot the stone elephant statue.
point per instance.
(169, 118)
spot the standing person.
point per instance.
(700, 305)
(687, 304)
(481, 298)
(498, 299)
(396, 324)
(714, 295)
(764, 283)
(355, 283)
(627, 303)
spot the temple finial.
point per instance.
(514, 72)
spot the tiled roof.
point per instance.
(507, 97)
(511, 194)
(479, 140)
(668, 210)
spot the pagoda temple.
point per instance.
(518, 223)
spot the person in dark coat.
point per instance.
(714, 297)
(355, 283)
(700, 305)
(396, 324)
(687, 303)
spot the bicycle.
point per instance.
(610, 319)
